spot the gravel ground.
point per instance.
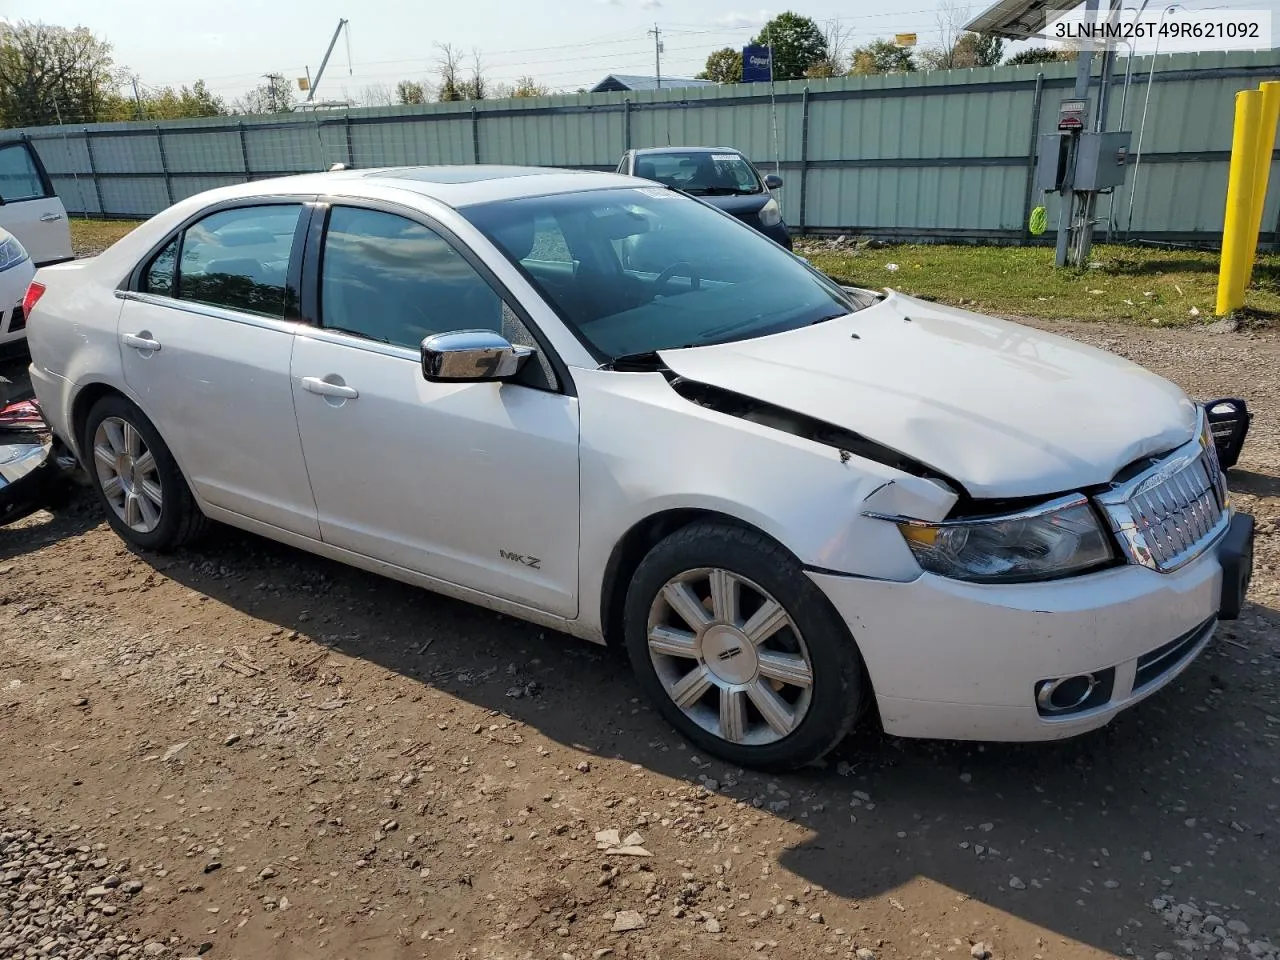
(299, 760)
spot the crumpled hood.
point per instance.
(1003, 409)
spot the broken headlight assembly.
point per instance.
(1058, 539)
(770, 213)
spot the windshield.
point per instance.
(701, 174)
(640, 269)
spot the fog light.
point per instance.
(1064, 696)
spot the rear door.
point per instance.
(29, 209)
(206, 342)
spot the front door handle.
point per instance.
(140, 342)
(327, 389)
(51, 218)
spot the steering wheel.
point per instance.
(679, 268)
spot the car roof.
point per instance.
(455, 186)
(644, 150)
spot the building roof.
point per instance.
(627, 81)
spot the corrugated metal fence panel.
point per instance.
(411, 142)
(937, 154)
(77, 194)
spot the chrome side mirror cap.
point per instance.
(471, 356)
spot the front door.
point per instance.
(475, 484)
(206, 348)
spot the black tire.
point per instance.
(181, 521)
(840, 692)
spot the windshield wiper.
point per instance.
(720, 192)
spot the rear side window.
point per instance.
(238, 259)
(19, 178)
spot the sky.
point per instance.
(565, 45)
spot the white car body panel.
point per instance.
(961, 657)
(218, 391)
(430, 483)
(471, 483)
(30, 210)
(13, 287)
(41, 226)
(947, 387)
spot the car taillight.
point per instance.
(34, 292)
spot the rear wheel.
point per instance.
(740, 650)
(147, 500)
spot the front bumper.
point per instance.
(962, 661)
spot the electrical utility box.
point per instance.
(1051, 161)
(1100, 160)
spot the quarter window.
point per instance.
(19, 179)
(238, 259)
(387, 278)
(163, 271)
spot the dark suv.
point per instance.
(721, 176)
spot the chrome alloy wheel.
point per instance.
(730, 657)
(127, 474)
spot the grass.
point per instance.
(1128, 283)
(89, 237)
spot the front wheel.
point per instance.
(147, 500)
(739, 649)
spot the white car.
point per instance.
(794, 503)
(29, 208)
(16, 271)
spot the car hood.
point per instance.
(740, 205)
(1002, 409)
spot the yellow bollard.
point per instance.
(1239, 213)
(1266, 145)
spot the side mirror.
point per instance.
(470, 356)
(772, 181)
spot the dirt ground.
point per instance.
(246, 752)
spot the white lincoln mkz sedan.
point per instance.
(597, 404)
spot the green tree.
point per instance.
(50, 74)
(882, 56)
(410, 91)
(274, 96)
(723, 66)
(193, 101)
(528, 87)
(797, 44)
(988, 50)
(1041, 55)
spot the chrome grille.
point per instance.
(1169, 514)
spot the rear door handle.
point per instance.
(140, 343)
(51, 218)
(327, 389)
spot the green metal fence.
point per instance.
(941, 155)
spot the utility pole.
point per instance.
(657, 53)
(137, 98)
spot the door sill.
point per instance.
(413, 578)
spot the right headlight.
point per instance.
(1055, 540)
(12, 253)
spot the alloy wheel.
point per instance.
(127, 474)
(729, 656)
